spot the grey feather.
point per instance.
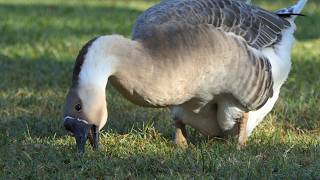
(179, 29)
(258, 27)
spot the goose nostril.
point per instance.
(68, 127)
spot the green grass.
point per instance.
(39, 40)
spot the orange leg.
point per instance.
(181, 134)
(243, 130)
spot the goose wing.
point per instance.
(257, 26)
(182, 26)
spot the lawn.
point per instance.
(39, 40)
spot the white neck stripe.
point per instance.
(78, 119)
(98, 64)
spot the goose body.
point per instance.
(213, 62)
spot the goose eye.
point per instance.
(78, 107)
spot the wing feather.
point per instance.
(259, 28)
(173, 25)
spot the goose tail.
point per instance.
(293, 11)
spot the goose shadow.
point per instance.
(34, 92)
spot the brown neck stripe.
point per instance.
(79, 61)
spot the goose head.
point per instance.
(85, 110)
(125, 62)
(85, 113)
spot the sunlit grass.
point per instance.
(38, 43)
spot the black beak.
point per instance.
(82, 130)
(94, 137)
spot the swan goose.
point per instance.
(218, 64)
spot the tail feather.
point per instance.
(299, 6)
(293, 11)
(246, 1)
